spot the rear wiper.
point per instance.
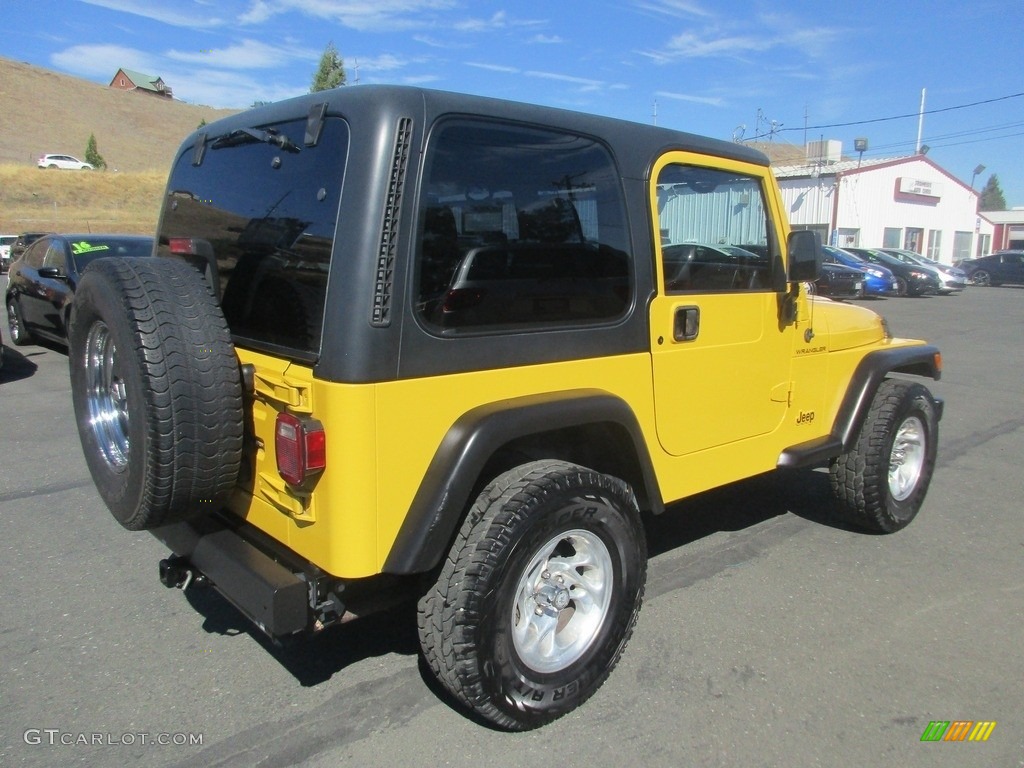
(249, 135)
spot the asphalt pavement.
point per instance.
(770, 636)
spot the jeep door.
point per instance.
(721, 349)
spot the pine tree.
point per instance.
(331, 72)
(992, 196)
(92, 155)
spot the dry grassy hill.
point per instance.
(44, 111)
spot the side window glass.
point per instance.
(55, 256)
(520, 227)
(34, 254)
(714, 231)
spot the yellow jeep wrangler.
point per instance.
(397, 343)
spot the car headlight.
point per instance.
(919, 275)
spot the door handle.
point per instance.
(686, 325)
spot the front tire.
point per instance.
(981, 277)
(539, 594)
(881, 482)
(20, 335)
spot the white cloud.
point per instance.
(159, 10)
(774, 32)
(710, 100)
(98, 61)
(497, 21)
(678, 8)
(420, 79)
(384, 63)
(586, 82)
(363, 15)
(547, 39)
(249, 54)
(493, 67)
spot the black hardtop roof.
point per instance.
(380, 102)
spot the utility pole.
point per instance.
(920, 123)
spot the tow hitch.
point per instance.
(177, 572)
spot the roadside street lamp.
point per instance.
(978, 169)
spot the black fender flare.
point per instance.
(924, 360)
(445, 491)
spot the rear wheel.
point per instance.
(881, 482)
(156, 390)
(539, 594)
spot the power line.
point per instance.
(932, 138)
(894, 117)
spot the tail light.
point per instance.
(301, 448)
(183, 246)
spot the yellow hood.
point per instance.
(845, 325)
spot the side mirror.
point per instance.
(53, 273)
(804, 247)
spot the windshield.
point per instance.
(258, 216)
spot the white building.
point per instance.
(906, 202)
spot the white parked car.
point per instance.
(67, 162)
(6, 241)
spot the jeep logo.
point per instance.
(805, 417)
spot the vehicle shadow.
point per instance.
(805, 493)
(17, 365)
(315, 659)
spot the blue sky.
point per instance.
(723, 68)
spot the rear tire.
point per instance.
(539, 594)
(881, 482)
(156, 390)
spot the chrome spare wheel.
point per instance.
(106, 398)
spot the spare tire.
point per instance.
(156, 389)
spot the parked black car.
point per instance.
(952, 278)
(43, 279)
(995, 269)
(910, 280)
(838, 281)
(878, 280)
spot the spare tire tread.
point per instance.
(183, 386)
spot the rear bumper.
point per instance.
(273, 596)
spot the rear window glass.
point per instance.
(520, 227)
(259, 220)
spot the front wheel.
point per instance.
(20, 335)
(881, 482)
(539, 594)
(901, 286)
